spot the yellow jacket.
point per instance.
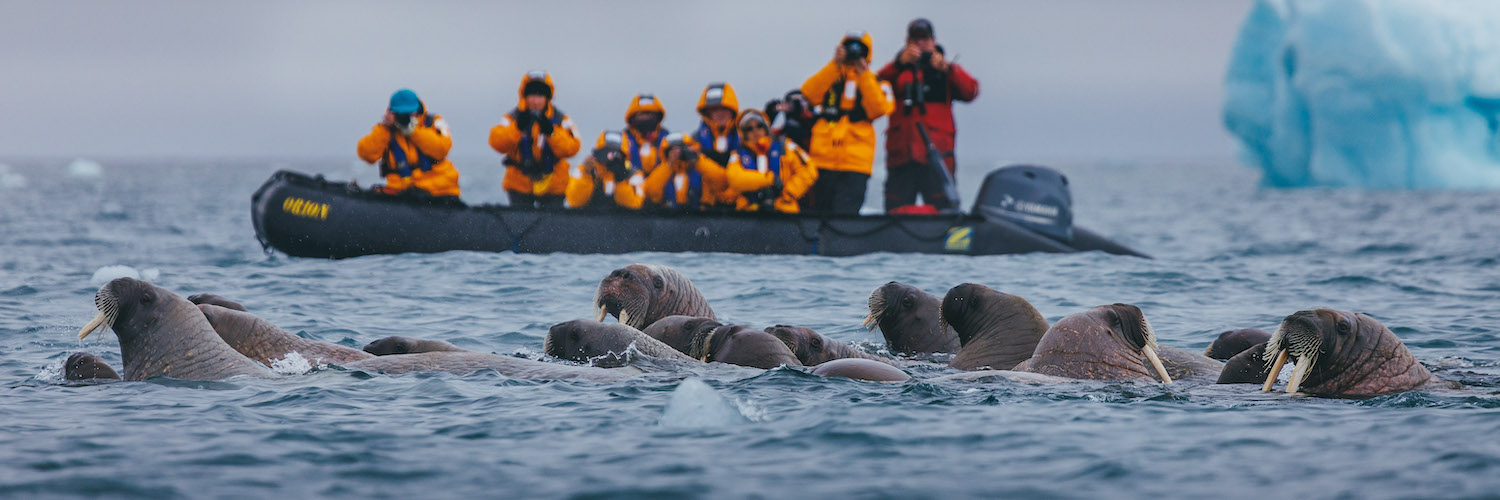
(746, 178)
(430, 139)
(627, 193)
(506, 138)
(711, 183)
(847, 143)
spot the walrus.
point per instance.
(1342, 354)
(908, 319)
(741, 345)
(88, 366)
(813, 348)
(640, 294)
(995, 330)
(265, 343)
(860, 369)
(1233, 342)
(163, 335)
(679, 331)
(604, 344)
(465, 363)
(1110, 342)
(1247, 367)
(396, 344)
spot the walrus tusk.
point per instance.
(624, 317)
(602, 314)
(1156, 362)
(1303, 366)
(93, 325)
(1275, 370)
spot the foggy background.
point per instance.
(1078, 80)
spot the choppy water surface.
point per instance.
(1228, 256)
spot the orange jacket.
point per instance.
(506, 139)
(745, 176)
(430, 139)
(646, 153)
(712, 180)
(847, 143)
(627, 193)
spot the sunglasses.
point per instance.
(752, 127)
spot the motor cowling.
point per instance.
(1031, 196)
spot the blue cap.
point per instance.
(405, 101)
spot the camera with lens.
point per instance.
(926, 59)
(854, 50)
(403, 120)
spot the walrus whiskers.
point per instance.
(109, 308)
(1297, 342)
(877, 310)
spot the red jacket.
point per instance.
(902, 142)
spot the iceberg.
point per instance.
(1386, 94)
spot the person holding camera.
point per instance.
(603, 181)
(536, 139)
(685, 180)
(791, 117)
(849, 98)
(411, 147)
(767, 172)
(926, 83)
(716, 133)
(643, 132)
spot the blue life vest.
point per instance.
(396, 160)
(694, 193)
(705, 138)
(549, 159)
(748, 159)
(633, 154)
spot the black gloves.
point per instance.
(543, 124)
(524, 121)
(613, 160)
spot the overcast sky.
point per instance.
(1060, 80)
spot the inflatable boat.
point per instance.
(1020, 209)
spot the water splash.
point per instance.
(51, 372)
(293, 364)
(695, 405)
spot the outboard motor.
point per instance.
(1031, 196)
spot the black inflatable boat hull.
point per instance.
(311, 217)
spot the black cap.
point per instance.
(538, 87)
(919, 29)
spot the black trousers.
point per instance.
(904, 182)
(839, 192)
(525, 200)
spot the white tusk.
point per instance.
(602, 314)
(624, 317)
(1275, 370)
(93, 325)
(1156, 362)
(1303, 366)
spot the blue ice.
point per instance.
(1389, 94)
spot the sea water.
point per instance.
(1227, 255)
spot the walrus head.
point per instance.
(599, 344)
(996, 330)
(88, 366)
(679, 331)
(810, 346)
(391, 345)
(908, 319)
(639, 295)
(741, 345)
(162, 334)
(1341, 353)
(1106, 342)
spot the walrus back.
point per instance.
(465, 363)
(264, 342)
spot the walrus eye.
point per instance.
(817, 343)
(146, 298)
(907, 302)
(657, 282)
(1343, 327)
(1114, 317)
